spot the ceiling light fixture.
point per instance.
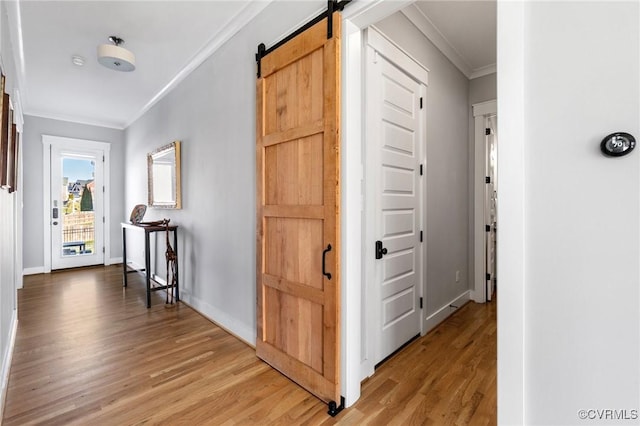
(77, 60)
(115, 57)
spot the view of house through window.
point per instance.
(78, 217)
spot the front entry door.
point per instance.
(298, 181)
(395, 138)
(77, 228)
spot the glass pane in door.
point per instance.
(77, 212)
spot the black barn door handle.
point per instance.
(324, 256)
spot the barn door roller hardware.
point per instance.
(334, 408)
(332, 6)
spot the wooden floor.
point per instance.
(89, 353)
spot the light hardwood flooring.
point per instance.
(89, 352)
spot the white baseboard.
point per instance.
(444, 312)
(6, 360)
(157, 278)
(478, 296)
(133, 265)
(40, 269)
(222, 319)
(33, 271)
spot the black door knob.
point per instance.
(380, 251)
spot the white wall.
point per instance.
(32, 148)
(213, 113)
(483, 89)
(568, 76)
(447, 105)
(9, 226)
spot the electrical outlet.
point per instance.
(457, 276)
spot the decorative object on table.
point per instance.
(137, 214)
(163, 173)
(172, 259)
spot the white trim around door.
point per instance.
(480, 112)
(356, 17)
(381, 52)
(58, 142)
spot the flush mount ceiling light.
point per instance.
(115, 57)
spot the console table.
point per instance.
(148, 230)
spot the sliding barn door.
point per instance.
(298, 244)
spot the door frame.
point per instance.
(480, 113)
(355, 18)
(61, 142)
(395, 55)
(510, 65)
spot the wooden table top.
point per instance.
(148, 228)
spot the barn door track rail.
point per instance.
(332, 6)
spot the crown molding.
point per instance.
(17, 47)
(426, 27)
(365, 13)
(75, 119)
(235, 24)
(481, 72)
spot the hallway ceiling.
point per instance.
(165, 36)
(169, 38)
(465, 31)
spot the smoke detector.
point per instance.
(77, 60)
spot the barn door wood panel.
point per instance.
(298, 176)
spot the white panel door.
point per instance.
(491, 199)
(77, 206)
(396, 129)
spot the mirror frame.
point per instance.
(163, 150)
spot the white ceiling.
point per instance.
(170, 39)
(165, 36)
(464, 30)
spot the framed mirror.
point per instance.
(163, 172)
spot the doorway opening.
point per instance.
(76, 219)
(459, 277)
(485, 200)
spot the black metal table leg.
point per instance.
(147, 265)
(175, 245)
(124, 256)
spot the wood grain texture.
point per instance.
(89, 352)
(298, 180)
